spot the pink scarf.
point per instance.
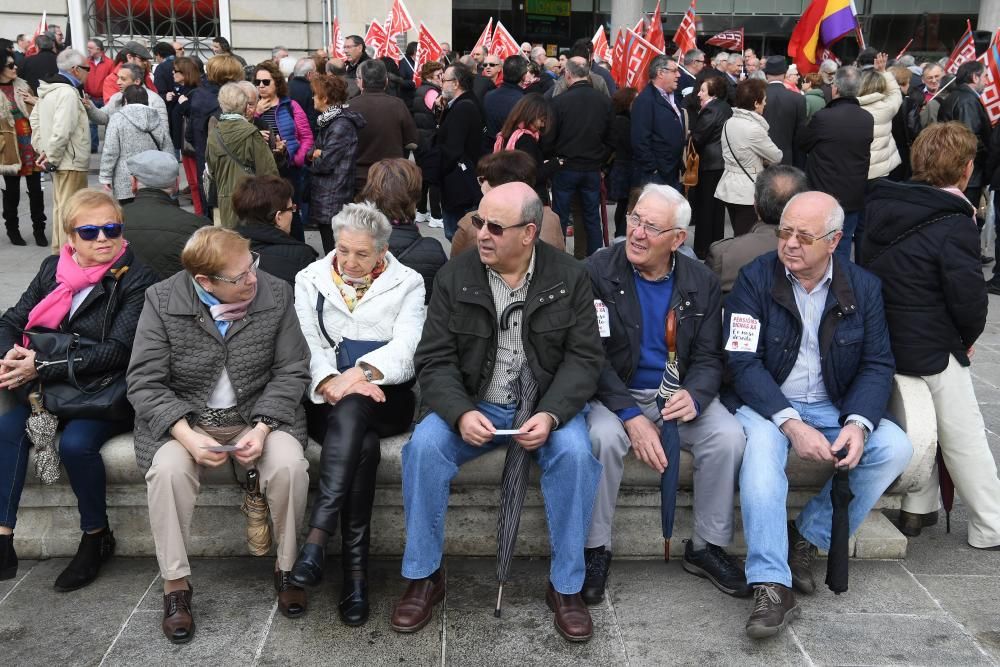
(70, 279)
(515, 135)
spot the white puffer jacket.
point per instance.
(391, 310)
(883, 107)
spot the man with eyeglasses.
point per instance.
(659, 128)
(694, 63)
(60, 133)
(515, 311)
(459, 140)
(639, 284)
(807, 344)
(354, 49)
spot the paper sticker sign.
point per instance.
(744, 331)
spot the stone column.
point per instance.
(989, 15)
(79, 27)
(624, 13)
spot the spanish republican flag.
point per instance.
(821, 25)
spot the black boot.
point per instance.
(15, 236)
(598, 562)
(355, 522)
(353, 605)
(40, 240)
(95, 550)
(8, 558)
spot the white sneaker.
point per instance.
(421, 217)
(435, 222)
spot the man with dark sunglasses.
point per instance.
(515, 309)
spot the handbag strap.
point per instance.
(725, 133)
(243, 165)
(155, 142)
(320, 302)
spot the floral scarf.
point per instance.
(354, 289)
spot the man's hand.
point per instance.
(475, 428)
(372, 391)
(645, 439)
(335, 389)
(535, 431)
(809, 444)
(853, 438)
(250, 446)
(680, 407)
(197, 445)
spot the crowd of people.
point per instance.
(854, 203)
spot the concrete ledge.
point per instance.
(48, 523)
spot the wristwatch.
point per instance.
(865, 431)
(369, 376)
(269, 422)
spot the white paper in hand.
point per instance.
(744, 332)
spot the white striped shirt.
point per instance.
(510, 344)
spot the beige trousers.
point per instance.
(966, 452)
(65, 184)
(172, 486)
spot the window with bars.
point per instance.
(193, 23)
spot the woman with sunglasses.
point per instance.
(217, 378)
(264, 207)
(17, 156)
(93, 288)
(362, 312)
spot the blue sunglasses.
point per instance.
(112, 230)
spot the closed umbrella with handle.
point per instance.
(41, 427)
(669, 438)
(838, 558)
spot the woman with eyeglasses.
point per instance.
(362, 312)
(264, 207)
(17, 156)
(217, 378)
(93, 288)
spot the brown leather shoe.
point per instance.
(414, 610)
(178, 619)
(572, 616)
(291, 598)
(911, 524)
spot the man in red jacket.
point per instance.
(100, 68)
(134, 53)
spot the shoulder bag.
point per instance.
(210, 184)
(348, 351)
(725, 133)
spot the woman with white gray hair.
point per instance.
(362, 313)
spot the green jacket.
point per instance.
(244, 141)
(814, 101)
(456, 354)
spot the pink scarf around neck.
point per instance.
(70, 279)
(498, 145)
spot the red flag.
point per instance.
(503, 44)
(336, 49)
(485, 39)
(685, 38)
(991, 93)
(398, 21)
(964, 51)
(600, 42)
(827, 54)
(655, 34)
(428, 50)
(32, 49)
(376, 37)
(640, 27)
(618, 58)
(638, 54)
(391, 50)
(730, 40)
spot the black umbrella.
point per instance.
(514, 484)
(669, 438)
(838, 558)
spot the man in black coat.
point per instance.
(785, 112)
(300, 90)
(459, 142)
(354, 49)
(156, 226)
(965, 106)
(838, 140)
(42, 65)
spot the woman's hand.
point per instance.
(880, 62)
(372, 391)
(279, 146)
(182, 99)
(17, 367)
(335, 389)
(198, 445)
(316, 153)
(251, 445)
(171, 95)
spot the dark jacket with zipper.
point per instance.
(580, 129)
(157, 229)
(108, 314)
(855, 356)
(280, 255)
(697, 301)
(838, 141)
(457, 352)
(333, 172)
(924, 245)
(459, 139)
(421, 253)
(706, 130)
(965, 106)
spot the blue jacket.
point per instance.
(657, 139)
(497, 104)
(857, 362)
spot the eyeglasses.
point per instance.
(669, 70)
(698, 61)
(262, 82)
(10, 65)
(112, 230)
(238, 280)
(85, 68)
(495, 228)
(491, 65)
(444, 80)
(635, 221)
(291, 209)
(784, 234)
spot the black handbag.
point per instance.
(348, 350)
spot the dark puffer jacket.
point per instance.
(422, 254)
(924, 245)
(706, 130)
(109, 314)
(280, 255)
(332, 174)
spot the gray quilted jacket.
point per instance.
(134, 129)
(179, 355)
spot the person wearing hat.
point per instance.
(135, 53)
(785, 112)
(157, 226)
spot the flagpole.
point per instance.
(940, 90)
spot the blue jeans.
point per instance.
(80, 450)
(570, 474)
(764, 486)
(98, 103)
(450, 219)
(852, 223)
(588, 183)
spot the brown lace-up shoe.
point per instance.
(773, 607)
(291, 598)
(800, 555)
(178, 619)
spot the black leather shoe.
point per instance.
(713, 563)
(774, 607)
(598, 562)
(94, 551)
(800, 555)
(353, 605)
(8, 558)
(911, 524)
(993, 285)
(308, 569)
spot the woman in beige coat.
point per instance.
(746, 150)
(880, 96)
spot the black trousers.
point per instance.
(434, 193)
(743, 217)
(350, 432)
(708, 212)
(12, 199)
